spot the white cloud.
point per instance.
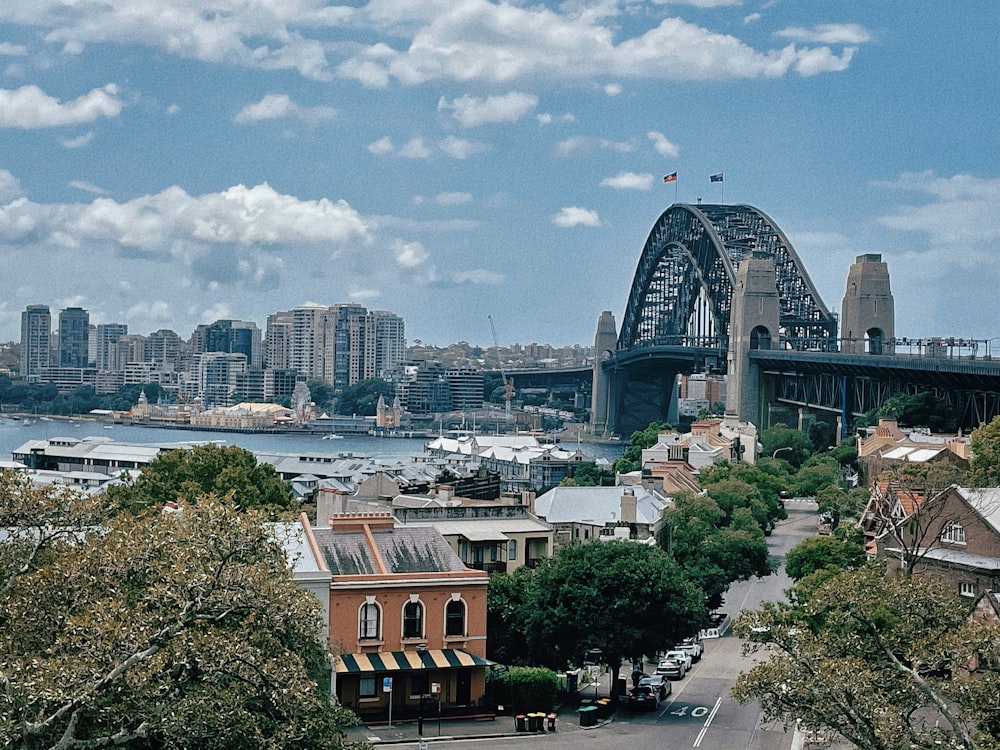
(13, 50)
(612, 89)
(87, 187)
(480, 40)
(381, 146)
(10, 187)
(79, 142)
(409, 254)
(629, 181)
(472, 111)
(460, 148)
(827, 33)
(478, 277)
(278, 106)
(29, 107)
(218, 311)
(547, 118)
(173, 109)
(415, 148)
(662, 145)
(752, 18)
(452, 199)
(574, 216)
(578, 145)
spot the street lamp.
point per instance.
(786, 448)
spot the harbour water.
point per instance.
(14, 433)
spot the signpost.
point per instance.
(436, 690)
(387, 688)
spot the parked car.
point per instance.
(659, 683)
(671, 668)
(682, 656)
(643, 696)
(693, 646)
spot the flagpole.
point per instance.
(675, 190)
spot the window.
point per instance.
(366, 687)
(368, 621)
(953, 533)
(966, 589)
(454, 618)
(512, 550)
(413, 620)
(418, 683)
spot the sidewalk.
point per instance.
(567, 721)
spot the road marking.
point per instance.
(708, 721)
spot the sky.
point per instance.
(165, 163)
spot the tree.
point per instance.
(836, 551)
(621, 598)
(587, 474)
(875, 658)
(180, 630)
(984, 467)
(631, 459)
(785, 443)
(321, 393)
(923, 409)
(712, 548)
(507, 607)
(186, 474)
(362, 398)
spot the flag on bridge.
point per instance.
(672, 177)
(717, 177)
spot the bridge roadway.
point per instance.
(831, 382)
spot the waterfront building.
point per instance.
(36, 344)
(466, 384)
(278, 341)
(216, 377)
(74, 335)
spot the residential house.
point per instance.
(583, 514)
(407, 620)
(955, 536)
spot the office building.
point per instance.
(36, 342)
(74, 336)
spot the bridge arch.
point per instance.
(682, 289)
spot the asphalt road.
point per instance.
(700, 712)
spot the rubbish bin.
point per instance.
(571, 682)
(603, 708)
(550, 722)
(588, 716)
(534, 722)
(520, 723)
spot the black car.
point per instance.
(643, 696)
(658, 683)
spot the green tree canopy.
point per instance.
(209, 469)
(362, 398)
(623, 598)
(321, 393)
(631, 459)
(785, 443)
(923, 409)
(818, 552)
(984, 467)
(179, 630)
(881, 660)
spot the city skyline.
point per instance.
(455, 160)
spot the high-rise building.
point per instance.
(216, 374)
(36, 342)
(74, 334)
(232, 337)
(164, 348)
(278, 341)
(106, 335)
(385, 344)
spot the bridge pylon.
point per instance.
(754, 323)
(602, 417)
(867, 317)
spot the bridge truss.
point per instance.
(682, 290)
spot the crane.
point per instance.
(508, 387)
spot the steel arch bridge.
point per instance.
(677, 318)
(682, 290)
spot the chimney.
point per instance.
(445, 493)
(628, 506)
(528, 499)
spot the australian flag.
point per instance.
(717, 177)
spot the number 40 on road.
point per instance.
(696, 711)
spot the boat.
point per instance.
(333, 436)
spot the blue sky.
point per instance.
(165, 163)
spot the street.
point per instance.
(700, 712)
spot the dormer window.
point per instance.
(953, 533)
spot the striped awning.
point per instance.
(403, 661)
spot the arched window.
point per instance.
(413, 620)
(368, 621)
(953, 533)
(760, 338)
(454, 618)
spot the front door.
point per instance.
(463, 687)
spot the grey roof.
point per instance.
(986, 502)
(597, 505)
(403, 550)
